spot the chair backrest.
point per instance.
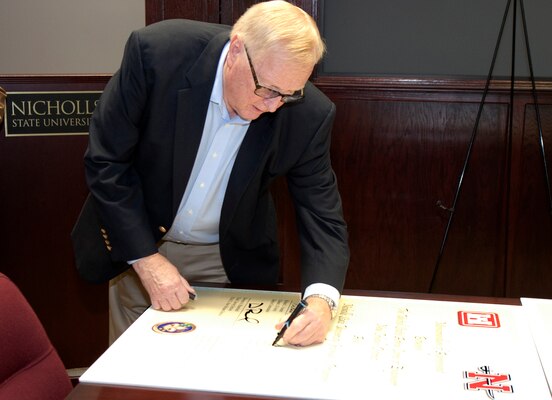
(30, 367)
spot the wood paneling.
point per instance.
(230, 11)
(529, 270)
(398, 149)
(201, 10)
(224, 12)
(43, 188)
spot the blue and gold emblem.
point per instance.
(173, 327)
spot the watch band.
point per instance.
(331, 303)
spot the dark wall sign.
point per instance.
(49, 113)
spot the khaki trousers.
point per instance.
(128, 299)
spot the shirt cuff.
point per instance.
(324, 289)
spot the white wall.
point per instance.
(66, 36)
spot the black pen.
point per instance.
(191, 296)
(302, 305)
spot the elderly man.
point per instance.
(184, 144)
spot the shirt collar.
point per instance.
(217, 92)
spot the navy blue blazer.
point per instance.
(144, 136)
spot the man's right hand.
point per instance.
(167, 289)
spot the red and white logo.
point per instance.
(488, 381)
(478, 319)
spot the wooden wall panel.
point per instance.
(231, 10)
(201, 10)
(217, 11)
(397, 151)
(395, 160)
(43, 188)
(530, 252)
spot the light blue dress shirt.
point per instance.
(198, 216)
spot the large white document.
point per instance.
(378, 348)
(539, 312)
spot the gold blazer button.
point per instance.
(162, 229)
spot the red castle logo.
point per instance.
(478, 319)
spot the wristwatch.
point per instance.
(331, 303)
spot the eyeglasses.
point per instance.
(267, 93)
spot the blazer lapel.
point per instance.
(191, 110)
(248, 160)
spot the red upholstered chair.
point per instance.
(30, 367)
